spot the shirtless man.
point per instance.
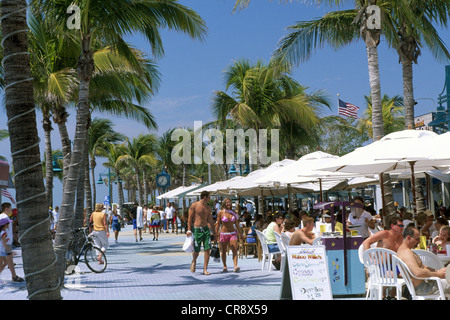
(411, 239)
(304, 235)
(388, 239)
(200, 217)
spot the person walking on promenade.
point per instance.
(114, 222)
(6, 213)
(101, 231)
(155, 222)
(198, 220)
(228, 227)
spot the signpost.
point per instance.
(305, 275)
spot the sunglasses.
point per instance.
(400, 225)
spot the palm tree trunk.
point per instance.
(60, 116)
(375, 92)
(377, 123)
(65, 225)
(46, 124)
(408, 93)
(34, 236)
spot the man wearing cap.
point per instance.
(6, 213)
(411, 239)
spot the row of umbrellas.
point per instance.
(403, 153)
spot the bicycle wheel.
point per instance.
(93, 261)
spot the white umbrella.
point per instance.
(212, 188)
(175, 192)
(398, 152)
(249, 187)
(305, 169)
(303, 173)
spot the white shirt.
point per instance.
(9, 231)
(363, 227)
(55, 216)
(169, 212)
(139, 217)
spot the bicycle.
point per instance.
(90, 251)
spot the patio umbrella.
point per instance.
(304, 173)
(212, 188)
(398, 152)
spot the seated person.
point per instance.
(289, 227)
(411, 239)
(443, 239)
(305, 234)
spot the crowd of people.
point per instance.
(223, 222)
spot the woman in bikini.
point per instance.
(228, 224)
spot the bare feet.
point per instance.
(192, 266)
(206, 273)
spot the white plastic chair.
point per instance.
(317, 241)
(429, 259)
(285, 239)
(408, 276)
(282, 248)
(267, 256)
(360, 253)
(382, 271)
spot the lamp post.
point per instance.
(108, 176)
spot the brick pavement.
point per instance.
(157, 270)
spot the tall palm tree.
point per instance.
(139, 151)
(101, 134)
(263, 96)
(113, 152)
(54, 80)
(412, 29)
(110, 21)
(37, 249)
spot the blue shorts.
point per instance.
(135, 225)
(3, 254)
(273, 247)
(115, 226)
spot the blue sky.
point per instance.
(192, 70)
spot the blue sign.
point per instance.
(106, 200)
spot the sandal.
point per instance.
(237, 269)
(17, 279)
(225, 269)
(206, 273)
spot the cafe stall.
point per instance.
(347, 275)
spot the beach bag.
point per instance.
(215, 252)
(188, 247)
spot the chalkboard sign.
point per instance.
(305, 275)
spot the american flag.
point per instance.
(347, 109)
(5, 193)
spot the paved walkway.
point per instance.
(157, 270)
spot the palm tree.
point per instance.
(54, 80)
(110, 21)
(413, 28)
(138, 152)
(37, 249)
(113, 153)
(101, 134)
(393, 118)
(263, 96)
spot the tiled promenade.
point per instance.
(157, 270)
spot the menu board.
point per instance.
(305, 275)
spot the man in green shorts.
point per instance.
(201, 219)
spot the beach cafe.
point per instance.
(407, 156)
